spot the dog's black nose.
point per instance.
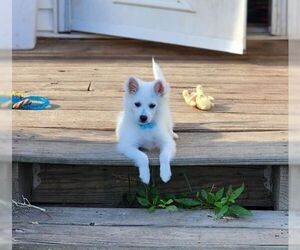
(143, 118)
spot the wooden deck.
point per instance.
(67, 154)
(94, 228)
(248, 125)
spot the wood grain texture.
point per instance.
(111, 49)
(248, 125)
(21, 182)
(47, 246)
(136, 228)
(281, 188)
(198, 149)
(109, 186)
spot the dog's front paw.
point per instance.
(145, 175)
(144, 171)
(165, 172)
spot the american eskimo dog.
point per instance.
(146, 123)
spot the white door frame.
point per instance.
(279, 17)
(64, 15)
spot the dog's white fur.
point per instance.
(131, 137)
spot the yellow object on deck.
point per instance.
(198, 99)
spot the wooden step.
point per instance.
(112, 186)
(248, 125)
(93, 147)
(60, 151)
(95, 228)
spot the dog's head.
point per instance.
(143, 99)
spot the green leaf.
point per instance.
(231, 200)
(211, 198)
(187, 202)
(239, 211)
(218, 204)
(219, 194)
(162, 202)
(155, 200)
(236, 193)
(204, 194)
(224, 200)
(144, 202)
(172, 208)
(222, 212)
(151, 209)
(229, 190)
(168, 202)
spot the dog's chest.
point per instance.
(148, 139)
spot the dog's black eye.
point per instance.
(152, 105)
(137, 104)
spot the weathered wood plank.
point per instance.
(107, 136)
(21, 182)
(230, 98)
(217, 85)
(275, 73)
(281, 188)
(132, 49)
(230, 93)
(108, 186)
(231, 106)
(141, 217)
(61, 66)
(172, 69)
(139, 229)
(98, 148)
(47, 246)
(189, 121)
(135, 236)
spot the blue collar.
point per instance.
(149, 125)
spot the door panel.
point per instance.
(179, 5)
(210, 24)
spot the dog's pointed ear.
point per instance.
(131, 85)
(159, 88)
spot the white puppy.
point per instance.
(146, 123)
